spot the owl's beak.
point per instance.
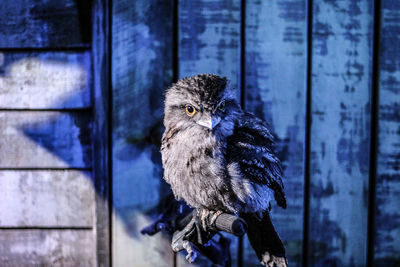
(209, 122)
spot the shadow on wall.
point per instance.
(51, 81)
(63, 138)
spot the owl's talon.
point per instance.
(208, 218)
(270, 260)
(214, 216)
(203, 215)
(192, 252)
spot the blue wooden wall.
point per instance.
(324, 74)
(53, 133)
(81, 100)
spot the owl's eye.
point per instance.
(222, 106)
(190, 110)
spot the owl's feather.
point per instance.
(231, 167)
(265, 240)
(250, 146)
(219, 158)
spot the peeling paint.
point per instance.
(387, 218)
(339, 164)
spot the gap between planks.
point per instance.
(307, 141)
(109, 103)
(44, 169)
(47, 49)
(374, 100)
(56, 228)
(84, 109)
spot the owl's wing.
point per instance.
(250, 146)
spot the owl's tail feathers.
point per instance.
(279, 195)
(265, 240)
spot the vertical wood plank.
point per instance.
(387, 217)
(141, 71)
(209, 42)
(275, 54)
(209, 38)
(101, 128)
(341, 80)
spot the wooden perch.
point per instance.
(224, 222)
(191, 236)
(182, 222)
(188, 234)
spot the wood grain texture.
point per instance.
(209, 42)
(44, 23)
(387, 218)
(45, 139)
(275, 54)
(101, 129)
(209, 38)
(70, 248)
(340, 131)
(45, 80)
(141, 71)
(129, 246)
(46, 199)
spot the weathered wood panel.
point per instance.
(44, 23)
(141, 71)
(46, 198)
(46, 248)
(340, 110)
(209, 42)
(101, 126)
(45, 80)
(130, 248)
(387, 220)
(45, 139)
(209, 38)
(275, 54)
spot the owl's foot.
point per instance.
(270, 260)
(208, 218)
(191, 250)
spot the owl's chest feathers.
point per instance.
(194, 166)
(192, 154)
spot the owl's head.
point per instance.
(202, 100)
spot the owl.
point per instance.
(219, 158)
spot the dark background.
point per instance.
(81, 98)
